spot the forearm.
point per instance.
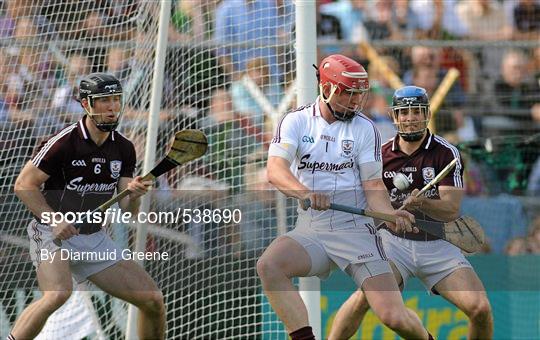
(131, 205)
(289, 185)
(377, 197)
(440, 210)
(34, 200)
(281, 177)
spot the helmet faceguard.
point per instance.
(412, 102)
(343, 85)
(101, 85)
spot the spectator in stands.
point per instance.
(534, 236)
(514, 90)
(250, 22)
(24, 9)
(406, 20)
(30, 78)
(438, 19)
(527, 20)
(230, 137)
(103, 20)
(4, 73)
(378, 110)
(350, 13)
(187, 21)
(243, 91)
(118, 63)
(64, 96)
(422, 56)
(380, 97)
(381, 23)
(516, 246)
(427, 69)
(484, 20)
(446, 120)
(377, 76)
(328, 31)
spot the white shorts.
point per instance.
(341, 248)
(430, 261)
(99, 245)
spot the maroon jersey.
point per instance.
(420, 168)
(82, 174)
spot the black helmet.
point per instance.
(408, 98)
(97, 85)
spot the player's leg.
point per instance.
(128, 281)
(55, 283)
(384, 298)
(465, 290)
(442, 267)
(284, 259)
(352, 312)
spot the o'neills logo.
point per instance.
(95, 187)
(323, 166)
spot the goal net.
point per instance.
(229, 71)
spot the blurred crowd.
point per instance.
(528, 244)
(230, 66)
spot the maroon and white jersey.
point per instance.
(420, 168)
(82, 174)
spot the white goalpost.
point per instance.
(151, 139)
(306, 57)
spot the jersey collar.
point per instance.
(426, 143)
(316, 109)
(83, 130)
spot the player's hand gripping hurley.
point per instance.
(435, 180)
(188, 145)
(465, 233)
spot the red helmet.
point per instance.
(344, 73)
(341, 75)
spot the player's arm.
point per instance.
(444, 209)
(378, 200)
(27, 189)
(281, 176)
(137, 188)
(370, 168)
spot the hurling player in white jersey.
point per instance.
(438, 264)
(330, 152)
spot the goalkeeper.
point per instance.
(336, 153)
(79, 168)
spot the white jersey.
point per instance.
(327, 160)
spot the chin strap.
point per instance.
(412, 136)
(105, 127)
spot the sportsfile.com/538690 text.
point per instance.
(180, 215)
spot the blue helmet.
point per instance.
(407, 100)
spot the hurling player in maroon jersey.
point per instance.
(442, 268)
(74, 171)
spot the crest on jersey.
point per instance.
(428, 173)
(347, 146)
(116, 166)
